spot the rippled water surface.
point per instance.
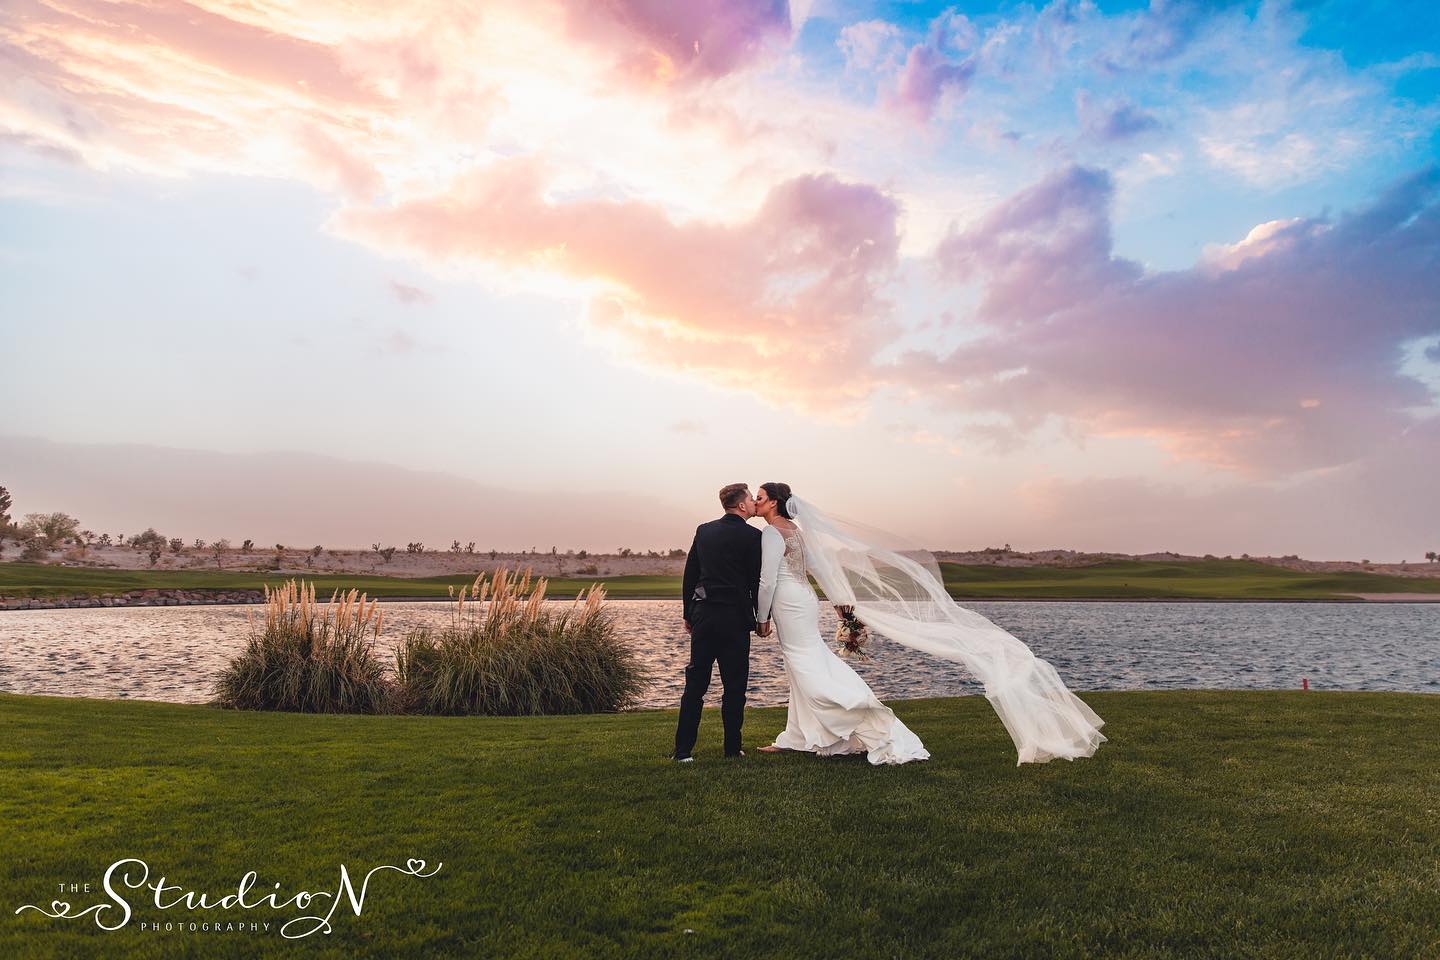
(173, 653)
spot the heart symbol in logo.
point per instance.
(60, 908)
(415, 866)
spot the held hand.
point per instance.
(764, 629)
(687, 626)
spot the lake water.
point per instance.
(173, 653)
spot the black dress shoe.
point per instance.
(682, 759)
(739, 753)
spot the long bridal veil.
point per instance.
(896, 590)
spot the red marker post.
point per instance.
(1304, 683)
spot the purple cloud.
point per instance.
(1114, 121)
(658, 40)
(1279, 355)
(1162, 32)
(1040, 250)
(927, 76)
(928, 73)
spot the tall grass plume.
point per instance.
(309, 657)
(507, 652)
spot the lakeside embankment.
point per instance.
(1213, 823)
(36, 585)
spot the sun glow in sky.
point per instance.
(1104, 276)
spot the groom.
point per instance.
(722, 582)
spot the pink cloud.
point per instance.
(663, 42)
(237, 48)
(408, 294)
(784, 303)
(1284, 362)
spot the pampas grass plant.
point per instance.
(310, 658)
(506, 652)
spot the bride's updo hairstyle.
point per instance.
(780, 493)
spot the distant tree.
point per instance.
(416, 547)
(470, 547)
(387, 553)
(35, 549)
(455, 546)
(554, 551)
(247, 545)
(104, 539)
(316, 550)
(677, 552)
(9, 530)
(218, 548)
(494, 554)
(150, 538)
(55, 528)
(87, 535)
(582, 554)
(1432, 556)
(176, 544)
(624, 551)
(279, 548)
(154, 554)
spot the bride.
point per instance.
(895, 589)
(832, 710)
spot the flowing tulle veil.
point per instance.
(896, 590)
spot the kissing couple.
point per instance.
(741, 580)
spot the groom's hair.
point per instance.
(732, 495)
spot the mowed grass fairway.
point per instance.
(1189, 579)
(1212, 824)
(1113, 580)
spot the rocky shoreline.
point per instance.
(134, 598)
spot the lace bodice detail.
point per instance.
(792, 564)
(782, 560)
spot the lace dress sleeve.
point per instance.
(772, 549)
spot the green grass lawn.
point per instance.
(1117, 579)
(1212, 824)
(1137, 579)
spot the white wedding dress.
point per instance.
(832, 710)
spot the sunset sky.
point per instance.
(1099, 276)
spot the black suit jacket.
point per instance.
(724, 564)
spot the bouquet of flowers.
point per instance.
(851, 635)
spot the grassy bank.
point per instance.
(1118, 579)
(1212, 824)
